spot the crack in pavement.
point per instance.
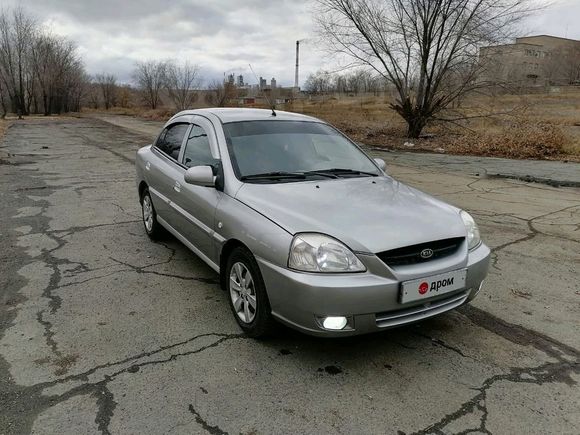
(143, 270)
(91, 142)
(533, 232)
(124, 211)
(533, 179)
(77, 229)
(21, 400)
(54, 301)
(213, 430)
(547, 373)
(22, 404)
(439, 342)
(568, 363)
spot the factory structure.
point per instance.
(530, 61)
(264, 89)
(263, 84)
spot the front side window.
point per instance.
(197, 150)
(260, 147)
(171, 139)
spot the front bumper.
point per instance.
(369, 300)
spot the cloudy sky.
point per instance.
(222, 36)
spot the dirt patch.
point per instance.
(62, 363)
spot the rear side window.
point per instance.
(171, 139)
(197, 151)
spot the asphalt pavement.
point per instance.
(103, 331)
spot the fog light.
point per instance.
(338, 322)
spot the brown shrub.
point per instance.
(3, 127)
(162, 114)
(521, 140)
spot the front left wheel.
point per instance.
(247, 294)
(152, 227)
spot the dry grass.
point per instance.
(161, 114)
(3, 127)
(538, 126)
(520, 140)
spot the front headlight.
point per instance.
(311, 252)
(473, 237)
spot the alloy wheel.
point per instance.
(243, 292)
(148, 213)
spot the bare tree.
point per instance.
(16, 32)
(93, 95)
(58, 74)
(320, 83)
(182, 82)
(150, 78)
(426, 49)
(220, 93)
(124, 96)
(72, 89)
(38, 71)
(108, 85)
(3, 101)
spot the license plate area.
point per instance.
(431, 286)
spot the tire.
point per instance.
(152, 227)
(255, 320)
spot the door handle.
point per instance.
(177, 186)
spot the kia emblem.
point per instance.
(426, 253)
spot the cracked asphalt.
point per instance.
(103, 331)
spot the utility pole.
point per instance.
(296, 84)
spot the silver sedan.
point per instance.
(303, 227)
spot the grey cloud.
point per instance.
(220, 35)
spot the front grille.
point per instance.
(412, 254)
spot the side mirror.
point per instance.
(381, 164)
(200, 176)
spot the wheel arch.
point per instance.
(225, 252)
(142, 186)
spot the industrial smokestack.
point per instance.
(297, 65)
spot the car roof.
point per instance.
(234, 114)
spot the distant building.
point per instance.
(263, 83)
(247, 101)
(240, 81)
(231, 79)
(273, 83)
(533, 61)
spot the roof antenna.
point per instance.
(272, 107)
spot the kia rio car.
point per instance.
(303, 227)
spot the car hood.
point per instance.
(369, 214)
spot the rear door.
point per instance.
(166, 172)
(197, 204)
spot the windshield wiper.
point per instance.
(322, 173)
(277, 175)
(337, 172)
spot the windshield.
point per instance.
(285, 148)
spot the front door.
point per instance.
(196, 205)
